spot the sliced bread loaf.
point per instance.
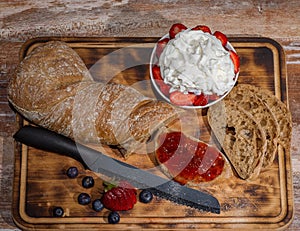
(279, 110)
(249, 101)
(242, 139)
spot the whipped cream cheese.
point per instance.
(197, 62)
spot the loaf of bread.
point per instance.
(242, 139)
(262, 114)
(53, 88)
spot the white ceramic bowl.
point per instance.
(154, 61)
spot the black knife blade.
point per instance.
(96, 161)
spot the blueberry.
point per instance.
(58, 212)
(88, 182)
(84, 198)
(145, 196)
(97, 205)
(113, 217)
(72, 172)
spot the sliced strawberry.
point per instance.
(201, 100)
(119, 198)
(213, 97)
(175, 29)
(156, 73)
(236, 61)
(205, 29)
(181, 99)
(222, 37)
(161, 45)
(165, 88)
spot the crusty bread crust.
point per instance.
(242, 139)
(53, 88)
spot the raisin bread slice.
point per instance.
(242, 139)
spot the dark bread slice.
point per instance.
(279, 110)
(263, 115)
(242, 139)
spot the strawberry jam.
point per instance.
(189, 160)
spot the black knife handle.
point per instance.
(49, 141)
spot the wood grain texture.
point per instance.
(22, 20)
(41, 183)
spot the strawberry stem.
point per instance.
(109, 185)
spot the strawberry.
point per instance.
(161, 45)
(201, 100)
(212, 97)
(119, 198)
(222, 37)
(156, 73)
(205, 29)
(181, 99)
(236, 61)
(165, 88)
(175, 29)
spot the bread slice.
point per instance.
(279, 110)
(249, 101)
(187, 165)
(242, 139)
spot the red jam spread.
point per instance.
(189, 160)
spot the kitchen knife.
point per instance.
(96, 161)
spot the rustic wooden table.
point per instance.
(20, 21)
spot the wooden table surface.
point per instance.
(22, 20)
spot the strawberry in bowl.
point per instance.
(193, 67)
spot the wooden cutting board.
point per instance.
(40, 182)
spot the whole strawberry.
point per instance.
(119, 198)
